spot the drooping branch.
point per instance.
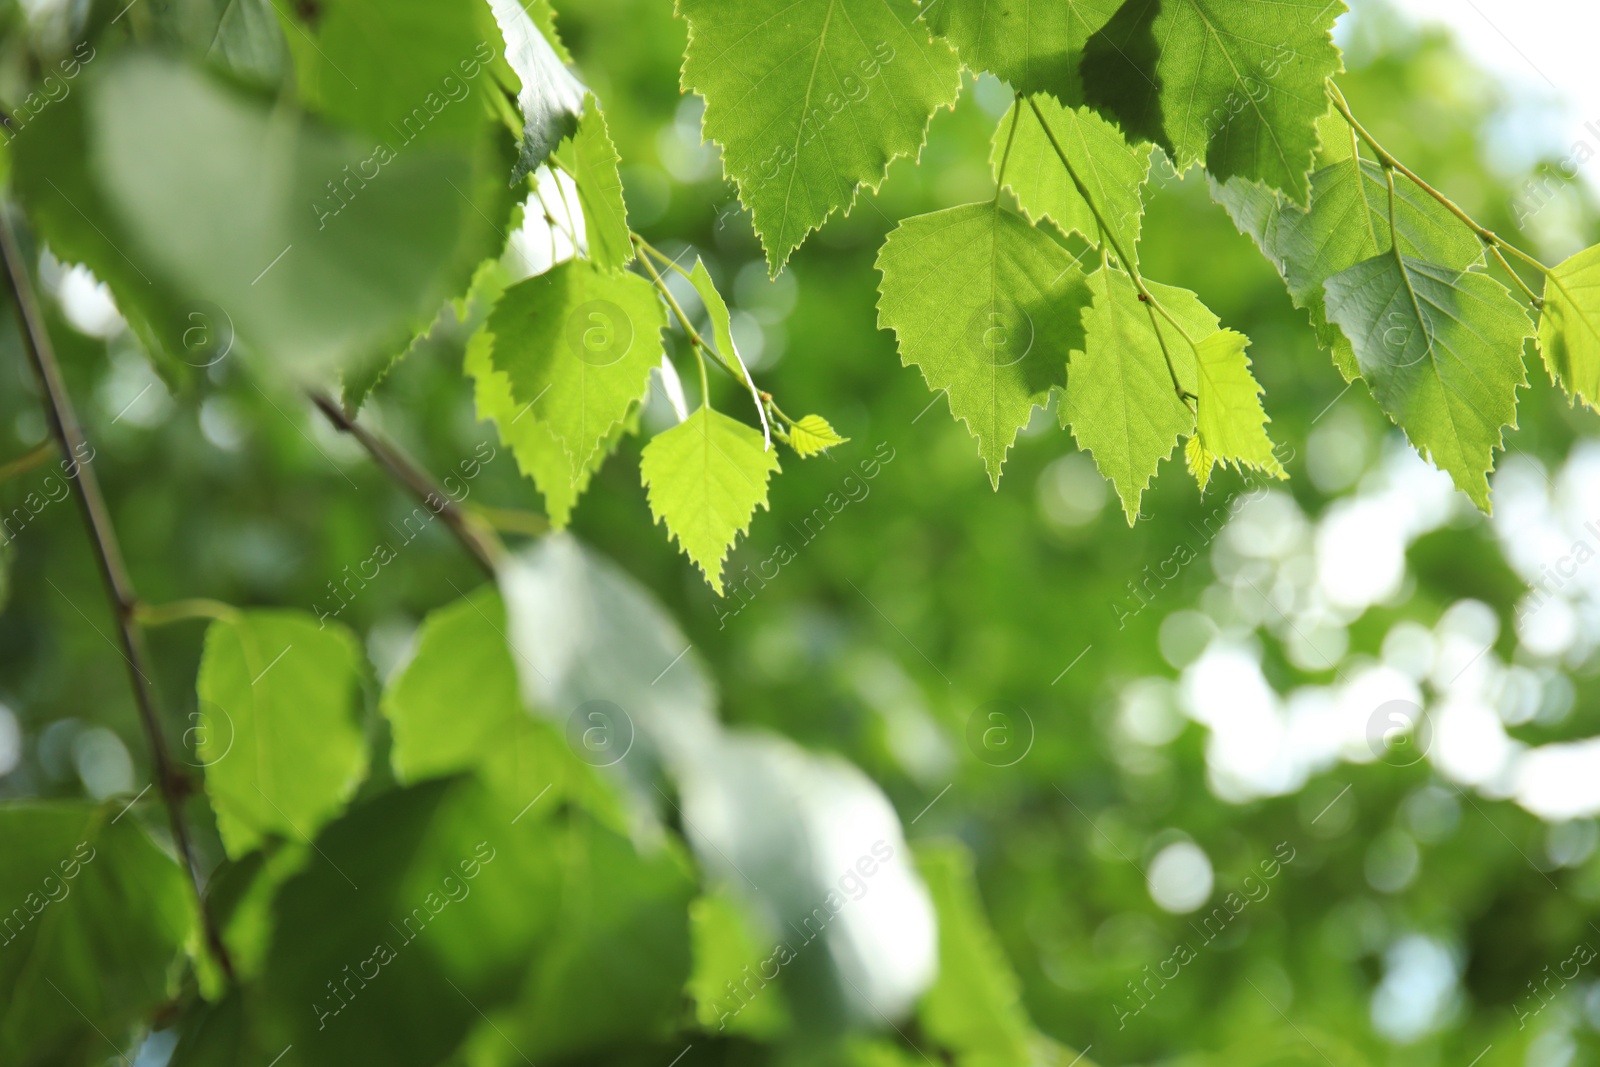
(473, 533)
(69, 439)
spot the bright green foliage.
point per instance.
(1121, 400)
(96, 914)
(278, 737)
(1037, 48)
(813, 434)
(592, 160)
(1237, 86)
(577, 344)
(1111, 173)
(1442, 353)
(987, 307)
(721, 321)
(975, 1008)
(1231, 426)
(456, 706)
(1338, 231)
(725, 947)
(812, 100)
(550, 97)
(706, 476)
(1569, 328)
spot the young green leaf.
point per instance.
(577, 344)
(592, 159)
(988, 308)
(1569, 328)
(1348, 221)
(1120, 400)
(811, 100)
(538, 452)
(1238, 86)
(705, 478)
(1232, 427)
(812, 434)
(278, 733)
(1035, 47)
(1112, 173)
(725, 940)
(1442, 353)
(96, 916)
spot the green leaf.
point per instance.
(1348, 221)
(722, 330)
(725, 944)
(239, 36)
(96, 917)
(456, 707)
(1036, 47)
(348, 250)
(1199, 461)
(1569, 328)
(440, 900)
(577, 344)
(551, 98)
(1120, 398)
(812, 435)
(988, 308)
(1237, 86)
(705, 478)
(538, 453)
(812, 100)
(1112, 174)
(1232, 427)
(592, 159)
(1442, 353)
(975, 1008)
(279, 735)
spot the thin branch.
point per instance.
(27, 462)
(69, 439)
(696, 342)
(481, 543)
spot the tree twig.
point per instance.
(38, 457)
(470, 531)
(172, 783)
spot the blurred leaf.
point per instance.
(319, 249)
(592, 160)
(706, 476)
(1120, 399)
(441, 901)
(577, 344)
(1231, 425)
(988, 308)
(1442, 353)
(1236, 86)
(806, 117)
(725, 950)
(1037, 48)
(456, 707)
(1569, 328)
(242, 37)
(97, 915)
(1113, 173)
(279, 738)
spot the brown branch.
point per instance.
(482, 544)
(63, 420)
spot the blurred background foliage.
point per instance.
(1425, 906)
